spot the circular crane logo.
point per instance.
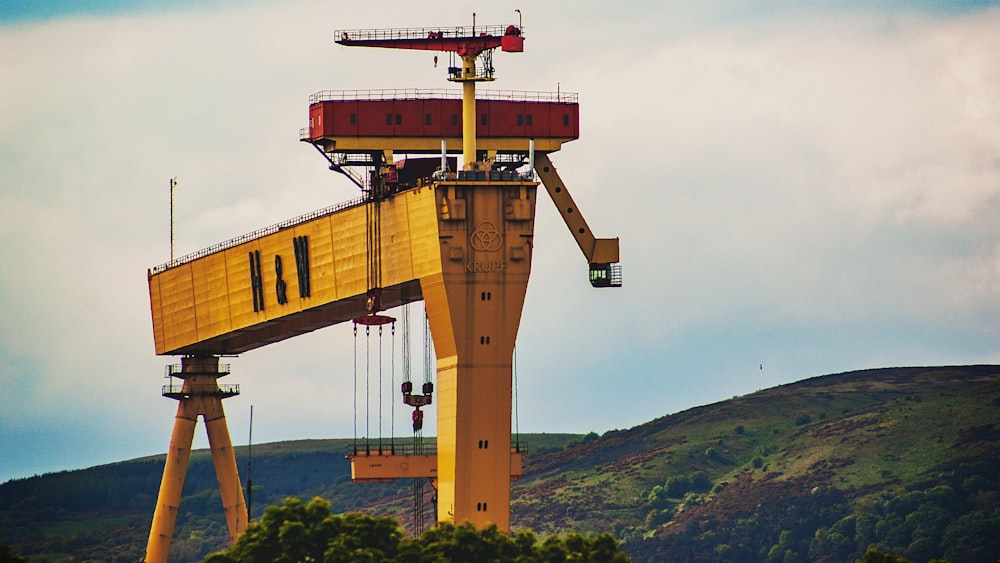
(486, 237)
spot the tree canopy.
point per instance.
(7, 555)
(308, 531)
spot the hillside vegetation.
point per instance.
(904, 459)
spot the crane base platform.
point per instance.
(385, 466)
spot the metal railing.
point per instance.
(394, 94)
(406, 446)
(391, 446)
(175, 370)
(233, 242)
(457, 32)
(227, 390)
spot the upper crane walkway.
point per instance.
(404, 33)
(386, 94)
(464, 40)
(242, 239)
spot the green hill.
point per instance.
(818, 470)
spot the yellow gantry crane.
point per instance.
(460, 240)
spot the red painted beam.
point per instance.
(460, 45)
(462, 40)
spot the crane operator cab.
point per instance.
(606, 275)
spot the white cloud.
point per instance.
(816, 189)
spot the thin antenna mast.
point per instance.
(173, 184)
(249, 460)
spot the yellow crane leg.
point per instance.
(474, 309)
(230, 488)
(200, 395)
(474, 461)
(171, 486)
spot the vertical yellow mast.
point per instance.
(468, 80)
(474, 303)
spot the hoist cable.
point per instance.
(368, 361)
(392, 391)
(427, 347)
(380, 387)
(517, 430)
(355, 388)
(406, 342)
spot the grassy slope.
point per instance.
(103, 513)
(870, 435)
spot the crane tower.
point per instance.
(460, 240)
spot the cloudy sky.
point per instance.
(808, 187)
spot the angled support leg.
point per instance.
(200, 395)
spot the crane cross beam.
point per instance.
(467, 41)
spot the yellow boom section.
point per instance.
(602, 251)
(300, 278)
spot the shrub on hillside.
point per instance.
(300, 531)
(7, 555)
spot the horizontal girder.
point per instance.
(464, 40)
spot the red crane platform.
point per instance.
(417, 120)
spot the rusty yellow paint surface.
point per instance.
(464, 247)
(207, 306)
(383, 467)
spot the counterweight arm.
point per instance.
(601, 253)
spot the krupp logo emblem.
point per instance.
(486, 238)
